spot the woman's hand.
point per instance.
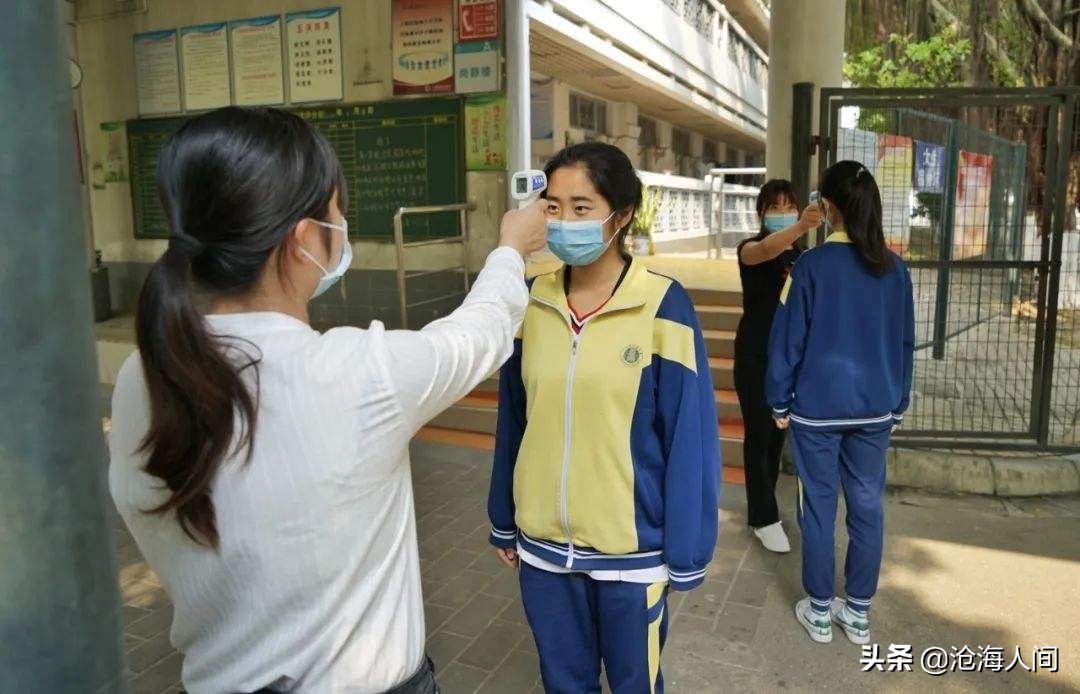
(811, 218)
(509, 557)
(525, 230)
(782, 422)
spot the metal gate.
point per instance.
(976, 199)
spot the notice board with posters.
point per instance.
(393, 154)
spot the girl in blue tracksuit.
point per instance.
(839, 373)
(605, 483)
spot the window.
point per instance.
(732, 158)
(647, 136)
(680, 142)
(709, 151)
(588, 114)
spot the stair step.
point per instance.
(714, 297)
(469, 416)
(727, 406)
(719, 317)
(723, 372)
(720, 343)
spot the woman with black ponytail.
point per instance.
(841, 353)
(261, 466)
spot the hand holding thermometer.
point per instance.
(526, 186)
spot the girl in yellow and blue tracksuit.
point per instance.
(840, 366)
(606, 474)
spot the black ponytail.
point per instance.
(851, 187)
(233, 182)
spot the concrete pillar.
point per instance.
(60, 606)
(624, 129)
(806, 44)
(518, 85)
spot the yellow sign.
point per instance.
(485, 133)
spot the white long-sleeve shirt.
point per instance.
(316, 586)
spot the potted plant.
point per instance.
(641, 230)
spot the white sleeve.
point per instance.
(433, 368)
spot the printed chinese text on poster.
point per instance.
(478, 20)
(423, 45)
(314, 41)
(256, 61)
(485, 133)
(157, 73)
(204, 51)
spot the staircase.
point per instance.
(719, 313)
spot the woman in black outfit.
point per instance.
(764, 263)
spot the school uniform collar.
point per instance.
(631, 292)
(838, 237)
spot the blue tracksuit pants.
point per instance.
(578, 621)
(852, 460)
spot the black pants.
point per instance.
(762, 445)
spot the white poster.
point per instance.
(204, 51)
(476, 65)
(858, 145)
(314, 40)
(257, 72)
(157, 73)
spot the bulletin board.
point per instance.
(393, 154)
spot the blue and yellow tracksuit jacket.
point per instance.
(607, 451)
(849, 367)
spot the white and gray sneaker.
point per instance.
(773, 538)
(817, 625)
(856, 626)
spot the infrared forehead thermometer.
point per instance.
(526, 186)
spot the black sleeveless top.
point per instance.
(761, 285)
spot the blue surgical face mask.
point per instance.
(778, 222)
(331, 276)
(578, 242)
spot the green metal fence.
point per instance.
(974, 198)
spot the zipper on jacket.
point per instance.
(568, 421)
(568, 413)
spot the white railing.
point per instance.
(691, 207)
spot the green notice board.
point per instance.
(393, 153)
(146, 137)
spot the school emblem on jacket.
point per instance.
(631, 355)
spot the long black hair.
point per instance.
(851, 187)
(232, 182)
(611, 173)
(770, 194)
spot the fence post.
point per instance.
(1060, 180)
(948, 218)
(60, 612)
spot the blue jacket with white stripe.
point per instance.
(841, 347)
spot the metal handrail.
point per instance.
(400, 245)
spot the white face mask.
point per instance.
(331, 276)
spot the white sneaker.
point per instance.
(773, 538)
(817, 626)
(857, 627)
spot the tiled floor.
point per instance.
(958, 570)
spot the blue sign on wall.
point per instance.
(929, 167)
